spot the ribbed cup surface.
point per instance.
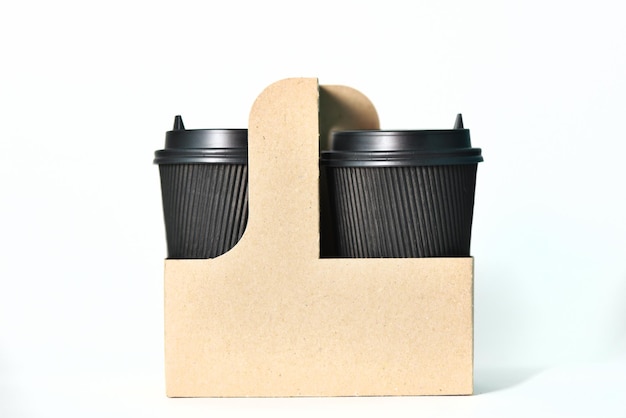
(205, 208)
(402, 211)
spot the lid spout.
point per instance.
(178, 123)
(458, 123)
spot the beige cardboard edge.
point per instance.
(271, 318)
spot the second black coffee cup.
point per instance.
(204, 185)
(402, 193)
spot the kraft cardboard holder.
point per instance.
(272, 318)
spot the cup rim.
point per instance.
(380, 148)
(202, 146)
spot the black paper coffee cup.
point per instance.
(402, 193)
(204, 186)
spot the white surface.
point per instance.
(585, 390)
(87, 91)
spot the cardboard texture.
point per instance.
(272, 318)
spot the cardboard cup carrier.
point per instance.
(272, 317)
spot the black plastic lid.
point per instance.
(376, 148)
(203, 146)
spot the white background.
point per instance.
(88, 89)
